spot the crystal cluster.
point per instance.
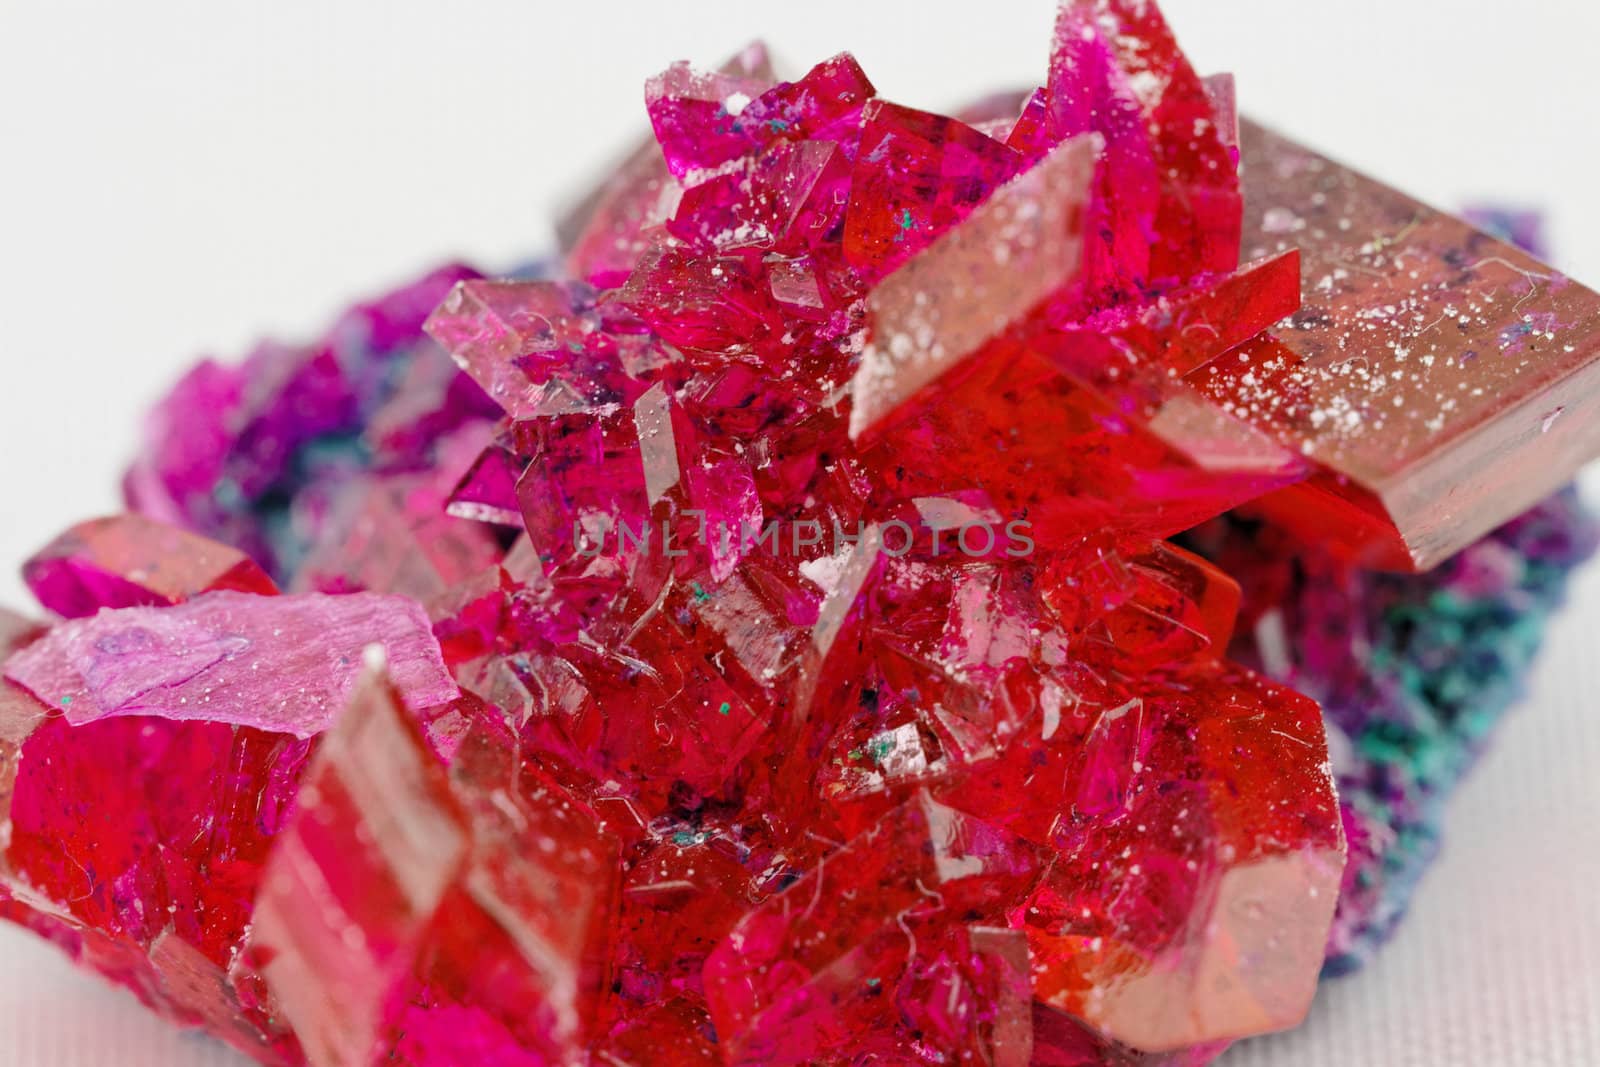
(760, 640)
(1412, 670)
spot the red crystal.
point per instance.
(916, 175)
(417, 915)
(1468, 373)
(1168, 204)
(136, 845)
(127, 560)
(878, 951)
(781, 658)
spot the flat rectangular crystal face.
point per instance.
(1443, 374)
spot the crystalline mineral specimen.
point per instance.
(1437, 377)
(404, 920)
(280, 663)
(757, 641)
(1412, 671)
(127, 560)
(151, 756)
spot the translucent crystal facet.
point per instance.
(758, 638)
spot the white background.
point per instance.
(179, 177)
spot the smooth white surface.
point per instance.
(180, 177)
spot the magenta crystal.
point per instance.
(283, 664)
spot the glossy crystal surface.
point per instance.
(1438, 377)
(758, 640)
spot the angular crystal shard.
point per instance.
(1429, 362)
(271, 663)
(422, 915)
(127, 560)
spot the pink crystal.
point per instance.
(789, 666)
(1477, 371)
(282, 664)
(876, 952)
(127, 560)
(420, 916)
